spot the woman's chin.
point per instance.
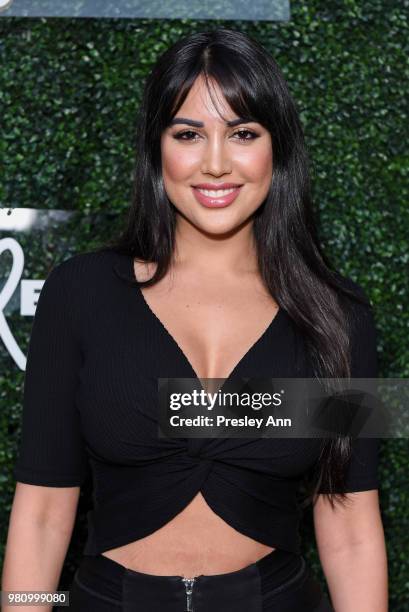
(221, 228)
(221, 222)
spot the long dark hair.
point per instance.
(290, 258)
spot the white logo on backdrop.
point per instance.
(29, 292)
(5, 4)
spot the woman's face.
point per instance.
(215, 153)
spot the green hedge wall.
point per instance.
(69, 90)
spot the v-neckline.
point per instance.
(273, 325)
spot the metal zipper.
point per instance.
(189, 582)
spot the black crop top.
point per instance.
(90, 403)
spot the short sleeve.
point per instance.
(362, 473)
(52, 451)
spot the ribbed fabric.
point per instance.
(90, 403)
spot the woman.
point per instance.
(217, 274)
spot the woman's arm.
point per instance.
(352, 551)
(52, 460)
(40, 528)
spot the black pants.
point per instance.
(279, 582)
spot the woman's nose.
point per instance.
(216, 157)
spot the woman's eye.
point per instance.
(252, 134)
(241, 133)
(179, 135)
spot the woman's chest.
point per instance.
(214, 325)
(118, 395)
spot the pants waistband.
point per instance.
(278, 579)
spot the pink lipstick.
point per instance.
(216, 196)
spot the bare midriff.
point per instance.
(214, 328)
(196, 541)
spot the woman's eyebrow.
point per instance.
(194, 123)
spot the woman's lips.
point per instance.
(214, 202)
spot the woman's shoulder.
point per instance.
(83, 260)
(362, 329)
(103, 265)
(85, 270)
(355, 300)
